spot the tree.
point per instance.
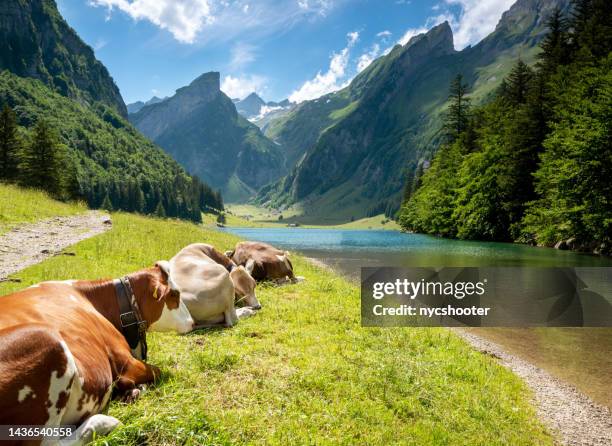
(41, 167)
(457, 117)
(106, 204)
(10, 144)
(518, 83)
(555, 47)
(159, 210)
(573, 180)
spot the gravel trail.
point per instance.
(574, 417)
(31, 243)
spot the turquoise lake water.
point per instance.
(348, 250)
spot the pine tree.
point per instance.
(457, 117)
(554, 46)
(41, 167)
(10, 144)
(159, 210)
(518, 83)
(139, 200)
(71, 183)
(106, 204)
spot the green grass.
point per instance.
(303, 370)
(250, 216)
(19, 205)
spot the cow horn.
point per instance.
(250, 265)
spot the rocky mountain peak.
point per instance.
(438, 39)
(210, 81)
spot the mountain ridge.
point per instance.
(353, 149)
(201, 128)
(36, 42)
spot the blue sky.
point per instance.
(279, 48)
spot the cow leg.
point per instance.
(133, 375)
(97, 425)
(231, 317)
(245, 312)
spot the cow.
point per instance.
(210, 285)
(67, 347)
(263, 261)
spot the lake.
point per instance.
(580, 356)
(348, 250)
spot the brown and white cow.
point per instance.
(211, 284)
(62, 353)
(263, 261)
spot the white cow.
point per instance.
(209, 289)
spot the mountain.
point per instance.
(250, 106)
(135, 107)
(261, 113)
(49, 74)
(201, 128)
(351, 151)
(36, 42)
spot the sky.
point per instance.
(296, 49)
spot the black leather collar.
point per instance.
(133, 327)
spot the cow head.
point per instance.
(244, 287)
(162, 306)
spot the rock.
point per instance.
(108, 221)
(45, 251)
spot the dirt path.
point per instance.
(575, 418)
(31, 243)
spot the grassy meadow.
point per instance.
(303, 370)
(19, 205)
(250, 216)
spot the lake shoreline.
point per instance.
(568, 412)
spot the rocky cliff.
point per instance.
(36, 42)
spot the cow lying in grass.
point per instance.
(263, 261)
(66, 346)
(211, 284)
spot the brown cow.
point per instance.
(263, 261)
(62, 351)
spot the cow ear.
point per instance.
(229, 254)
(250, 266)
(164, 265)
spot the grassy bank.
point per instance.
(249, 216)
(19, 205)
(303, 370)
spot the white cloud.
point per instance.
(384, 34)
(367, 58)
(320, 7)
(240, 87)
(242, 54)
(183, 18)
(477, 19)
(333, 79)
(201, 21)
(100, 43)
(353, 37)
(409, 34)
